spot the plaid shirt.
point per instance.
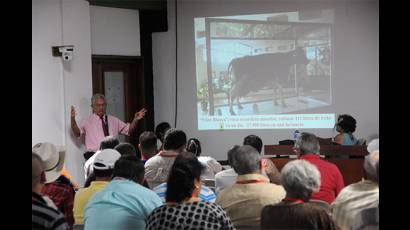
(62, 194)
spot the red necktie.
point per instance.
(105, 125)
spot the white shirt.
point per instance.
(157, 168)
(225, 179)
(88, 166)
(353, 199)
(212, 167)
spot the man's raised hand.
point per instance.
(140, 114)
(73, 113)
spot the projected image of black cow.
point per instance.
(253, 73)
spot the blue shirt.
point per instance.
(122, 204)
(206, 194)
(349, 139)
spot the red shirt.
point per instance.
(331, 180)
(63, 197)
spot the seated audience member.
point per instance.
(160, 131)
(299, 178)
(211, 165)
(57, 187)
(44, 214)
(157, 167)
(243, 202)
(358, 196)
(368, 218)
(126, 149)
(373, 145)
(123, 203)
(226, 178)
(67, 175)
(269, 167)
(346, 125)
(206, 194)
(147, 145)
(103, 170)
(123, 148)
(183, 208)
(331, 180)
(109, 142)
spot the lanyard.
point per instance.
(257, 181)
(293, 199)
(163, 154)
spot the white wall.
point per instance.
(115, 31)
(57, 86)
(356, 76)
(163, 62)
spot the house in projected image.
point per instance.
(220, 40)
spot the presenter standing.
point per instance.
(99, 125)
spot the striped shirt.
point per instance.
(45, 217)
(206, 194)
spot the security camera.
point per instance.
(66, 52)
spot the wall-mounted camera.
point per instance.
(66, 52)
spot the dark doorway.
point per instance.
(121, 80)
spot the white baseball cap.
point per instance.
(106, 159)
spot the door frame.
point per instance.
(138, 81)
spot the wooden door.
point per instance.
(121, 80)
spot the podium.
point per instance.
(349, 159)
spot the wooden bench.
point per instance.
(349, 159)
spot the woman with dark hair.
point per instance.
(212, 166)
(346, 125)
(183, 209)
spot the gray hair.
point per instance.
(231, 153)
(95, 97)
(246, 160)
(373, 145)
(370, 165)
(307, 143)
(300, 177)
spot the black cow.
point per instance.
(252, 73)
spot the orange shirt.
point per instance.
(65, 173)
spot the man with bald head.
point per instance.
(358, 196)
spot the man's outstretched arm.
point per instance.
(138, 116)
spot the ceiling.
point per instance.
(132, 4)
